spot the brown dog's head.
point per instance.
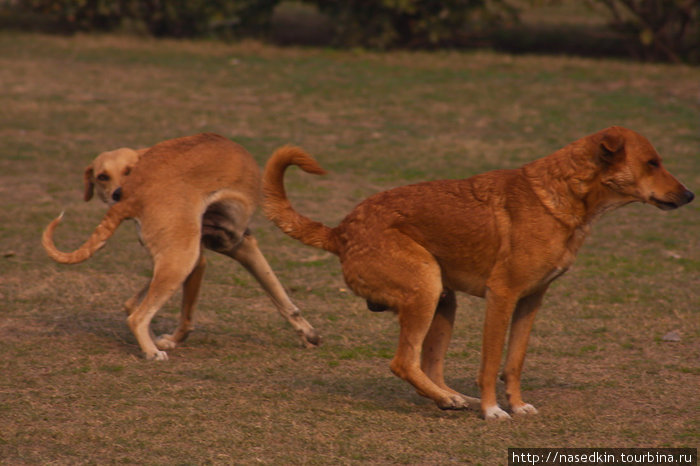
(632, 168)
(106, 172)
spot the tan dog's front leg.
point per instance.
(250, 256)
(499, 309)
(190, 293)
(520, 328)
(171, 269)
(131, 304)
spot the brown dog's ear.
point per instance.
(611, 145)
(89, 185)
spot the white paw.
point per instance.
(526, 408)
(495, 413)
(166, 342)
(157, 356)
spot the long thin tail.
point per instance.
(114, 217)
(278, 208)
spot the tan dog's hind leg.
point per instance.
(437, 342)
(523, 318)
(250, 256)
(499, 309)
(190, 293)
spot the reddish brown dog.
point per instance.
(504, 235)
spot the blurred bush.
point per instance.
(658, 29)
(653, 29)
(410, 23)
(378, 24)
(173, 18)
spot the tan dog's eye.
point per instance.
(127, 170)
(653, 163)
(103, 177)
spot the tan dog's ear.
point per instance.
(611, 145)
(89, 185)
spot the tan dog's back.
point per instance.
(202, 164)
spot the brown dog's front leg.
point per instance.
(499, 308)
(520, 328)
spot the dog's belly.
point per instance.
(465, 281)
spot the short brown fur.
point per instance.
(504, 235)
(187, 193)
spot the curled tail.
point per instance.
(278, 208)
(114, 217)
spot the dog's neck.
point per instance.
(568, 184)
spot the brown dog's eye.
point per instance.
(653, 163)
(103, 177)
(127, 170)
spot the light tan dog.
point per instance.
(106, 172)
(187, 193)
(504, 235)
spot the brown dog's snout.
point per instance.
(689, 196)
(674, 200)
(683, 198)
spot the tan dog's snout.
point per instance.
(106, 173)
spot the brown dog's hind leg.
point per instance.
(190, 293)
(402, 274)
(250, 256)
(415, 319)
(520, 328)
(437, 342)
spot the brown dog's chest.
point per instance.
(540, 266)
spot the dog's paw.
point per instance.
(525, 408)
(166, 342)
(458, 401)
(495, 413)
(157, 356)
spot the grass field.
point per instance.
(73, 388)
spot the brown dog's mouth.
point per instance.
(679, 200)
(664, 205)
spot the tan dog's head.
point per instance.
(632, 168)
(106, 172)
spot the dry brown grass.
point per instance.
(72, 387)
